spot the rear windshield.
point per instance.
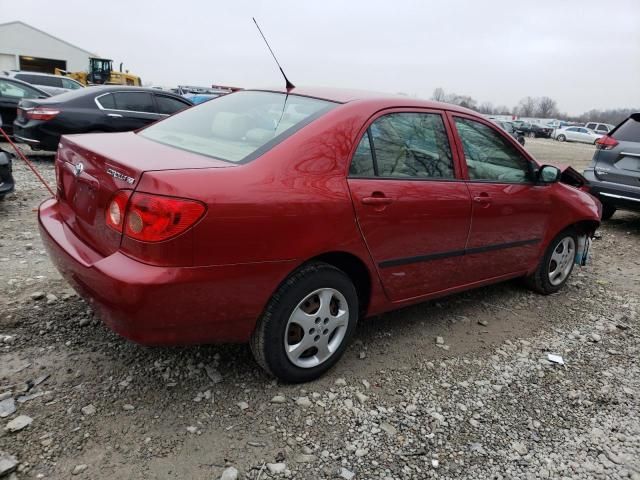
(237, 127)
(629, 130)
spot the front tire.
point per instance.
(307, 324)
(561, 138)
(557, 264)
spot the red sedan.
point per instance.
(282, 218)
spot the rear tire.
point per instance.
(561, 138)
(607, 211)
(315, 308)
(557, 264)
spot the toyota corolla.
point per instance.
(281, 218)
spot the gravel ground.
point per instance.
(482, 401)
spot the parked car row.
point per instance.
(576, 134)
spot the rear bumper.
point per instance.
(621, 196)
(32, 134)
(162, 305)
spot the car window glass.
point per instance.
(107, 101)
(490, 156)
(70, 84)
(40, 80)
(628, 131)
(591, 125)
(169, 105)
(362, 161)
(238, 127)
(601, 128)
(134, 101)
(571, 129)
(13, 90)
(412, 145)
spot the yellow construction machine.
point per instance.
(101, 73)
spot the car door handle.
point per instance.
(114, 115)
(378, 200)
(482, 198)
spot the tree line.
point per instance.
(542, 107)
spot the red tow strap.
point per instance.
(26, 160)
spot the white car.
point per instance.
(603, 128)
(576, 134)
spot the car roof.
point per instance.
(95, 90)
(386, 100)
(26, 72)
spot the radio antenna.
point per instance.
(289, 85)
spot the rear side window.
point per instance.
(70, 84)
(40, 80)
(169, 105)
(405, 145)
(134, 102)
(489, 156)
(591, 125)
(107, 101)
(628, 131)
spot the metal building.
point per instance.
(23, 47)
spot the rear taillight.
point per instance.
(41, 113)
(606, 143)
(151, 218)
(116, 210)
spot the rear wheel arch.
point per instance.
(356, 270)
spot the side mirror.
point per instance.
(548, 174)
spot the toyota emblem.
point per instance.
(78, 168)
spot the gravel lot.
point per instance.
(484, 402)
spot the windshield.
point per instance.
(238, 127)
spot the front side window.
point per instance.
(13, 90)
(237, 127)
(407, 145)
(489, 156)
(591, 125)
(134, 102)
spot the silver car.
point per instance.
(52, 84)
(576, 134)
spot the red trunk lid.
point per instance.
(91, 167)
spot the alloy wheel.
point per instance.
(316, 328)
(561, 260)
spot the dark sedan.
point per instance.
(12, 91)
(40, 123)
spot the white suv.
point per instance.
(603, 128)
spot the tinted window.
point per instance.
(238, 126)
(602, 128)
(14, 90)
(591, 125)
(362, 161)
(107, 101)
(169, 105)
(490, 156)
(572, 129)
(40, 80)
(411, 145)
(628, 131)
(134, 101)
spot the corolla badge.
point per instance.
(78, 168)
(121, 176)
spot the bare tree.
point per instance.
(527, 107)
(487, 108)
(502, 110)
(547, 107)
(439, 95)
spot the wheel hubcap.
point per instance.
(316, 328)
(562, 260)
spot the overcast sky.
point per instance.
(583, 53)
